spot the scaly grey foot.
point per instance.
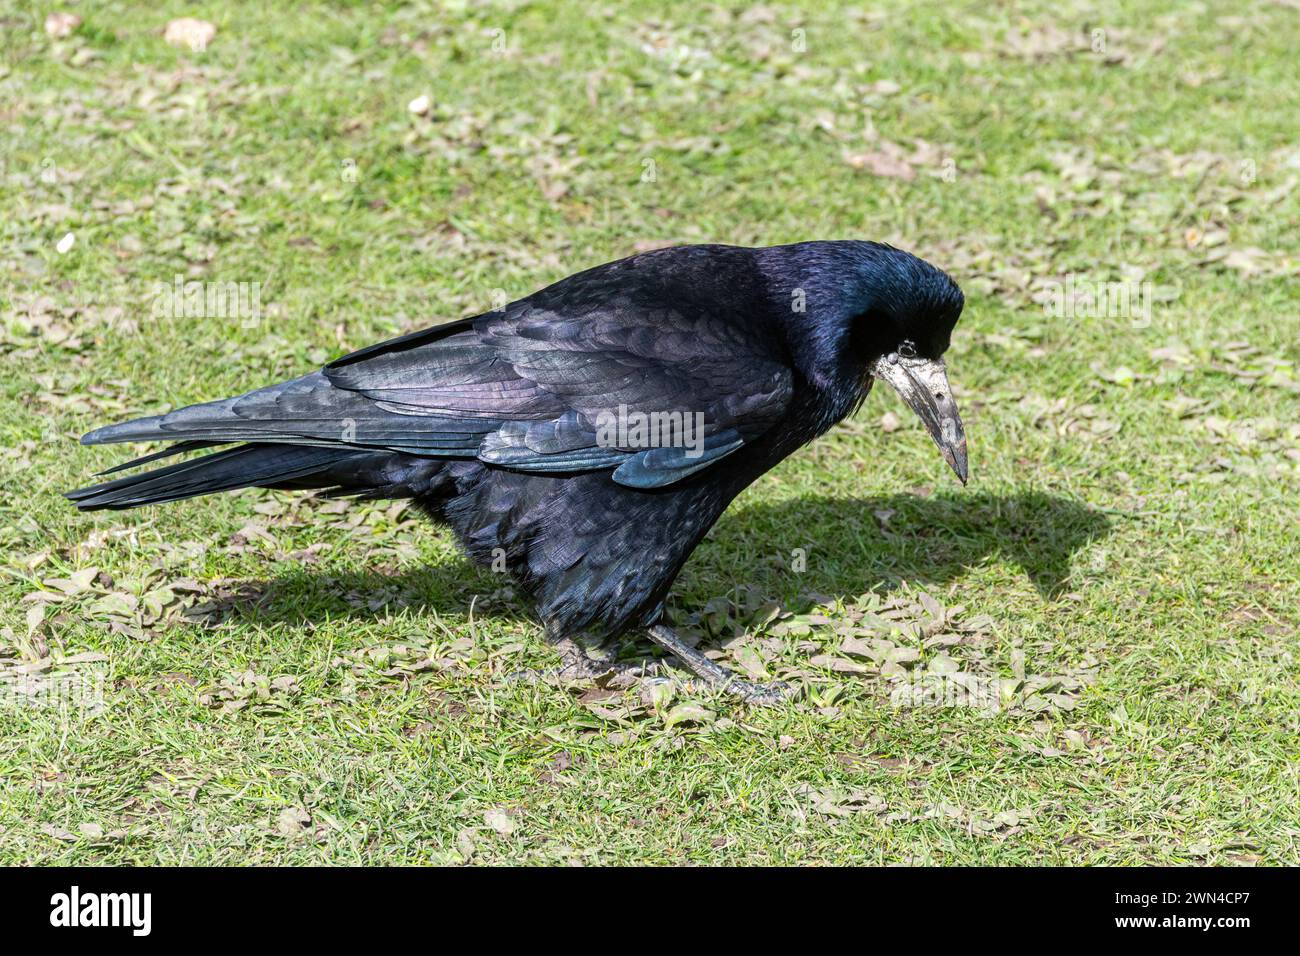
(715, 675)
(577, 665)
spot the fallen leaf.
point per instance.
(190, 32)
(60, 24)
(882, 164)
(688, 714)
(292, 821)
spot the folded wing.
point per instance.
(530, 388)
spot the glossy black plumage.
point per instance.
(492, 423)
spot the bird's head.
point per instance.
(889, 315)
(903, 334)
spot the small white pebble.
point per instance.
(65, 244)
(419, 106)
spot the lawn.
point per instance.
(1088, 655)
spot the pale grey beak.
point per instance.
(923, 384)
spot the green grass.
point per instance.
(1125, 556)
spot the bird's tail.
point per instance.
(297, 434)
(341, 470)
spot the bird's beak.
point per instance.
(923, 383)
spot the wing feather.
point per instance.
(525, 388)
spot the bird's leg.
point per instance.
(577, 665)
(715, 675)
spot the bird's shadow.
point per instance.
(848, 546)
(811, 545)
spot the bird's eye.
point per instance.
(907, 348)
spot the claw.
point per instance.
(764, 695)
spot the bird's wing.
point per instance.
(566, 390)
(529, 388)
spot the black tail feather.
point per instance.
(179, 448)
(246, 466)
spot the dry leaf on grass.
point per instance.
(292, 822)
(190, 32)
(61, 24)
(500, 821)
(888, 164)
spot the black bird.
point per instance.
(590, 434)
